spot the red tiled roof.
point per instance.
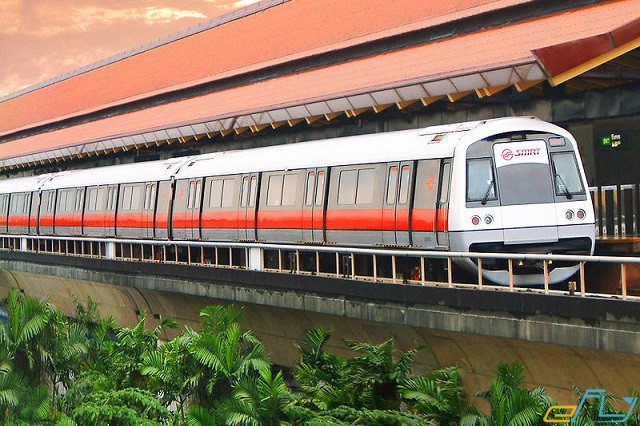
(291, 30)
(462, 56)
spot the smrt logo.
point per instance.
(508, 155)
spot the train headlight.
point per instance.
(488, 219)
(475, 220)
(569, 215)
(581, 214)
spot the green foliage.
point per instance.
(589, 413)
(121, 407)
(510, 404)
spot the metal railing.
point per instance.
(392, 266)
(616, 210)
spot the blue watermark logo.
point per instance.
(570, 413)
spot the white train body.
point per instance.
(512, 185)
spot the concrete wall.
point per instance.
(557, 367)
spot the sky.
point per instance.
(42, 39)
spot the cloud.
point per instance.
(243, 3)
(80, 19)
(10, 16)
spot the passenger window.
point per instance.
(100, 198)
(320, 189)
(392, 183)
(191, 194)
(444, 182)
(79, 193)
(196, 202)
(228, 191)
(274, 190)
(365, 189)
(92, 201)
(25, 206)
(245, 192)
(215, 193)
(252, 191)
(311, 181)
(481, 184)
(347, 187)
(126, 197)
(405, 180)
(289, 190)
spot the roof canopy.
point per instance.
(554, 47)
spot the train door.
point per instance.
(77, 213)
(442, 207)
(148, 210)
(47, 208)
(313, 209)
(247, 210)
(395, 213)
(110, 216)
(35, 212)
(425, 201)
(186, 214)
(4, 211)
(162, 210)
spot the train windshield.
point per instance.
(567, 174)
(480, 182)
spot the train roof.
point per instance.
(432, 142)
(122, 173)
(24, 184)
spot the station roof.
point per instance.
(554, 47)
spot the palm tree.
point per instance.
(437, 394)
(26, 333)
(510, 403)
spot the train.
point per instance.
(505, 185)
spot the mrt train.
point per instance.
(513, 185)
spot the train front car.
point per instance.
(519, 187)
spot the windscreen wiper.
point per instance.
(564, 186)
(486, 195)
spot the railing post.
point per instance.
(255, 259)
(510, 274)
(545, 267)
(623, 279)
(110, 250)
(583, 284)
(449, 272)
(480, 272)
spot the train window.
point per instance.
(51, 201)
(289, 190)
(320, 189)
(25, 206)
(127, 194)
(147, 196)
(364, 190)
(228, 191)
(191, 195)
(567, 174)
(444, 182)
(392, 183)
(405, 179)
(347, 186)
(252, 191)
(111, 199)
(274, 190)
(78, 206)
(481, 184)
(196, 203)
(311, 182)
(92, 199)
(215, 193)
(245, 192)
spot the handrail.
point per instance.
(253, 255)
